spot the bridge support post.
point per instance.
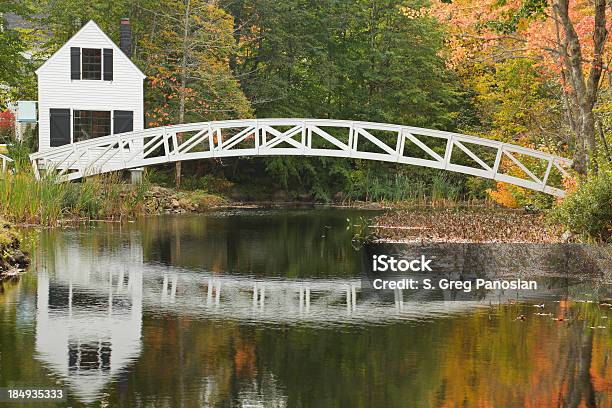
(136, 175)
(173, 288)
(348, 299)
(304, 299)
(262, 296)
(259, 295)
(164, 292)
(351, 298)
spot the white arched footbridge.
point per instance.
(306, 137)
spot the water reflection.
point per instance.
(89, 313)
(267, 309)
(114, 272)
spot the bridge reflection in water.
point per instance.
(92, 294)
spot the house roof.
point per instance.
(91, 25)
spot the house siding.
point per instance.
(57, 90)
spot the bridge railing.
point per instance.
(306, 137)
(5, 161)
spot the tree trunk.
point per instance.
(181, 118)
(584, 89)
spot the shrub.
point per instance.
(7, 126)
(503, 195)
(588, 211)
(477, 187)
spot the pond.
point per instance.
(271, 308)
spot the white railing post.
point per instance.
(121, 152)
(498, 158)
(449, 151)
(257, 135)
(547, 173)
(166, 145)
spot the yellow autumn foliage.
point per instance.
(502, 195)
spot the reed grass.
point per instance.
(404, 188)
(24, 199)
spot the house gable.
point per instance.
(91, 28)
(108, 100)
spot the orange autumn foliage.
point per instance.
(503, 196)
(570, 184)
(471, 36)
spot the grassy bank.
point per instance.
(12, 258)
(586, 212)
(44, 202)
(26, 200)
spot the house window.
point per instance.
(90, 124)
(92, 63)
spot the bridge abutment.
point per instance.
(136, 175)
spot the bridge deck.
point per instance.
(456, 152)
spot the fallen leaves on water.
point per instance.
(463, 225)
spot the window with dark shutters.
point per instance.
(91, 63)
(59, 127)
(75, 63)
(108, 64)
(123, 121)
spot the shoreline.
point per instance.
(14, 260)
(409, 222)
(417, 225)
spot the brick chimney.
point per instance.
(125, 37)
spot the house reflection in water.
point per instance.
(89, 316)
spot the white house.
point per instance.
(89, 88)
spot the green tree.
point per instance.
(16, 66)
(356, 59)
(63, 18)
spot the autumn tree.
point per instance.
(565, 40)
(584, 82)
(187, 53)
